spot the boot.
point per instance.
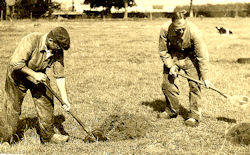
(58, 138)
(191, 122)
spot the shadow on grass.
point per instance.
(225, 119)
(160, 106)
(157, 105)
(32, 123)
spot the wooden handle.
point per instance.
(201, 83)
(62, 103)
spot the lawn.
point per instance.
(113, 69)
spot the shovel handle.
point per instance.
(54, 93)
(201, 83)
(62, 103)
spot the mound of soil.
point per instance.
(125, 126)
(239, 133)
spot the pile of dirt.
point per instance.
(239, 133)
(125, 126)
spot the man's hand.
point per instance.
(33, 76)
(173, 71)
(62, 88)
(208, 83)
(40, 77)
(66, 106)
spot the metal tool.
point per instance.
(94, 136)
(241, 100)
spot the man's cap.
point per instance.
(179, 19)
(61, 36)
(179, 23)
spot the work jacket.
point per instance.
(33, 53)
(190, 44)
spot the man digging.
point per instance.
(181, 47)
(34, 54)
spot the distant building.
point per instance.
(141, 6)
(153, 6)
(77, 5)
(150, 6)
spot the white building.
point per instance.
(67, 5)
(143, 5)
(153, 6)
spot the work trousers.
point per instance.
(16, 87)
(189, 65)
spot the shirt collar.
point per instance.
(43, 46)
(48, 53)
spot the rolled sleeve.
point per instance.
(22, 54)
(163, 47)
(58, 66)
(201, 52)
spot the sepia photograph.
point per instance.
(124, 77)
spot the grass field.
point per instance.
(113, 67)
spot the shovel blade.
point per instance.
(89, 139)
(239, 100)
(98, 135)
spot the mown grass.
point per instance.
(114, 66)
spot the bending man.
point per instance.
(181, 47)
(26, 71)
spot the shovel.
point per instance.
(241, 100)
(96, 135)
(93, 136)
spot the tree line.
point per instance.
(24, 8)
(219, 10)
(37, 8)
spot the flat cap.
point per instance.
(61, 36)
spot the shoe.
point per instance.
(58, 138)
(191, 122)
(5, 145)
(164, 115)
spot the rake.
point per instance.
(241, 100)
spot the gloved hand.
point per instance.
(173, 71)
(208, 83)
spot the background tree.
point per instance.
(10, 7)
(190, 9)
(2, 8)
(108, 4)
(24, 8)
(218, 10)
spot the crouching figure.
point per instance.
(26, 70)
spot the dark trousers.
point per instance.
(171, 90)
(16, 87)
